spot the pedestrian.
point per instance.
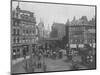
(24, 54)
(44, 67)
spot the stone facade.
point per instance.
(81, 32)
(24, 30)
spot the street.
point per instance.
(52, 65)
(42, 42)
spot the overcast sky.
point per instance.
(50, 13)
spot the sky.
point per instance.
(50, 13)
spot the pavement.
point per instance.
(18, 68)
(15, 61)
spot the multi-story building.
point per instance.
(81, 32)
(24, 31)
(58, 30)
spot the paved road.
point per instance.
(52, 65)
(57, 65)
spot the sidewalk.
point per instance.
(19, 60)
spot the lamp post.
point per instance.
(43, 54)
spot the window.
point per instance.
(26, 31)
(15, 23)
(14, 40)
(93, 40)
(18, 50)
(71, 41)
(23, 40)
(14, 50)
(34, 31)
(29, 31)
(14, 31)
(17, 31)
(33, 40)
(17, 40)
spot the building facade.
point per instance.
(24, 31)
(81, 32)
(58, 30)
